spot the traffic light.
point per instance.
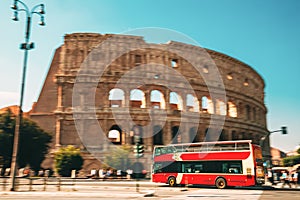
(138, 150)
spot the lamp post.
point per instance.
(283, 130)
(26, 46)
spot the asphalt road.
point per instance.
(93, 189)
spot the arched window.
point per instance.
(137, 99)
(192, 103)
(157, 135)
(220, 107)
(115, 134)
(232, 110)
(116, 97)
(176, 102)
(207, 105)
(157, 100)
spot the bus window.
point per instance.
(157, 151)
(235, 168)
(166, 167)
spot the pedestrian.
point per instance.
(295, 178)
(285, 179)
(270, 176)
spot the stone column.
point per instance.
(167, 133)
(59, 97)
(148, 98)
(58, 131)
(167, 98)
(126, 104)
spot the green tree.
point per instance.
(68, 159)
(33, 142)
(291, 160)
(119, 157)
(298, 150)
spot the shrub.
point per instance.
(68, 159)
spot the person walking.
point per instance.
(270, 176)
(285, 179)
(295, 178)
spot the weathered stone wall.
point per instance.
(54, 110)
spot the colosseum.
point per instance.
(164, 93)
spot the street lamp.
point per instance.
(283, 130)
(26, 46)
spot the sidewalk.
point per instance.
(278, 186)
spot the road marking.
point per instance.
(219, 194)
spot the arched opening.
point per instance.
(176, 102)
(116, 98)
(192, 103)
(207, 105)
(176, 135)
(137, 99)
(193, 136)
(220, 107)
(115, 134)
(157, 100)
(157, 135)
(232, 110)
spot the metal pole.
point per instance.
(26, 47)
(283, 130)
(20, 115)
(137, 161)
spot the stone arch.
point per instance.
(232, 109)
(115, 134)
(137, 99)
(116, 97)
(207, 105)
(221, 108)
(176, 135)
(192, 103)
(157, 99)
(157, 135)
(176, 102)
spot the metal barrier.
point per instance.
(39, 183)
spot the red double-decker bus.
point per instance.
(226, 163)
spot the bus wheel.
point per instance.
(221, 183)
(172, 181)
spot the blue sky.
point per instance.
(264, 34)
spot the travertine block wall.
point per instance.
(244, 89)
